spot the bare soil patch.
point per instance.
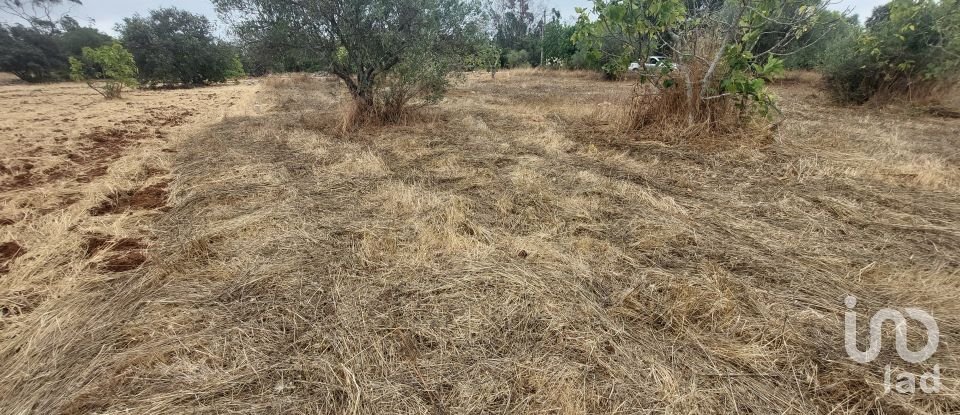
(147, 198)
(8, 252)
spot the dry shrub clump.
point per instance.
(670, 105)
(399, 96)
(671, 112)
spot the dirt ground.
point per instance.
(225, 250)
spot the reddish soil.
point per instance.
(150, 197)
(127, 253)
(95, 172)
(94, 243)
(97, 242)
(94, 150)
(8, 252)
(124, 261)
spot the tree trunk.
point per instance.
(727, 37)
(693, 104)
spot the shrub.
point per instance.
(715, 73)
(106, 69)
(518, 59)
(488, 58)
(849, 75)
(414, 44)
(906, 46)
(235, 69)
(173, 46)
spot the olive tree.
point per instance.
(386, 52)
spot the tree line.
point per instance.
(719, 54)
(168, 47)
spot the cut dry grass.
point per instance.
(515, 252)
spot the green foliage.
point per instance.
(829, 29)
(488, 57)
(518, 59)
(235, 69)
(40, 55)
(425, 78)
(30, 54)
(557, 45)
(904, 42)
(106, 69)
(747, 79)
(373, 46)
(74, 40)
(173, 46)
(722, 49)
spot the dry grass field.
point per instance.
(225, 250)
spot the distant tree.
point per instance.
(107, 69)
(75, 37)
(489, 57)
(35, 47)
(518, 59)
(905, 43)
(516, 26)
(386, 52)
(31, 54)
(556, 39)
(173, 46)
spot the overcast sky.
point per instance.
(105, 14)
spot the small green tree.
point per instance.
(489, 58)
(556, 39)
(235, 69)
(106, 69)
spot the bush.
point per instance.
(235, 69)
(415, 44)
(518, 59)
(849, 75)
(106, 69)
(905, 45)
(173, 46)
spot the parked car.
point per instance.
(652, 63)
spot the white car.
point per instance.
(652, 63)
